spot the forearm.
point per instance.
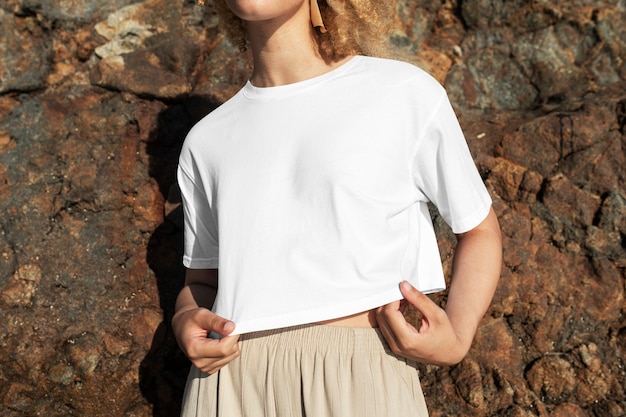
(200, 290)
(194, 296)
(475, 272)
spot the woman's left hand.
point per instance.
(436, 342)
(445, 336)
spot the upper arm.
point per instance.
(489, 226)
(201, 247)
(445, 174)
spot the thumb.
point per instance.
(416, 298)
(220, 325)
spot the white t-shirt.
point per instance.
(311, 198)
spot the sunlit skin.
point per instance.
(282, 42)
(265, 10)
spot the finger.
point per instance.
(393, 324)
(212, 349)
(230, 342)
(390, 337)
(398, 332)
(388, 314)
(389, 310)
(211, 366)
(229, 350)
(205, 362)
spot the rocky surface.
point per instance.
(96, 97)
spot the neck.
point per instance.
(285, 51)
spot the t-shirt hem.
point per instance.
(323, 313)
(208, 263)
(473, 220)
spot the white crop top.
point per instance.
(311, 198)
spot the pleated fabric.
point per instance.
(309, 371)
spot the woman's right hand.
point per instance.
(192, 328)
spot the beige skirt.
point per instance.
(309, 371)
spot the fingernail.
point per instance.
(228, 326)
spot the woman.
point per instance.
(308, 191)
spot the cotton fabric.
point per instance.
(311, 198)
(309, 371)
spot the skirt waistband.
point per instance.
(316, 337)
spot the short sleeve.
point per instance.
(444, 171)
(201, 249)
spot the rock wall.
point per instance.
(96, 97)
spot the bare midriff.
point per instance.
(363, 319)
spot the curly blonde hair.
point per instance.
(354, 27)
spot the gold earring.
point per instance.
(316, 16)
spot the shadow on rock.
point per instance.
(163, 371)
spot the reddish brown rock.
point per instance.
(552, 378)
(568, 410)
(22, 287)
(96, 98)
(467, 378)
(25, 50)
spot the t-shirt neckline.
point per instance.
(255, 93)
